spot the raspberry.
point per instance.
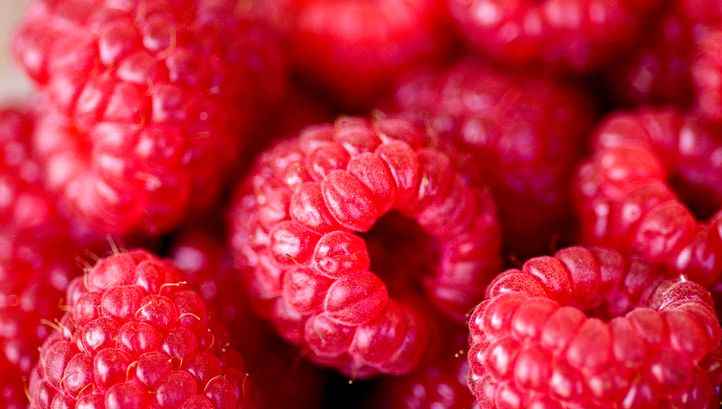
(298, 225)
(575, 35)
(521, 136)
(624, 198)
(439, 384)
(209, 267)
(149, 102)
(533, 346)
(136, 336)
(356, 49)
(707, 74)
(38, 247)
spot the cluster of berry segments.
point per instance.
(576, 35)
(536, 341)
(146, 103)
(137, 336)
(297, 227)
(625, 199)
(518, 134)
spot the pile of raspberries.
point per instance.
(363, 204)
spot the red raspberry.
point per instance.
(624, 199)
(357, 48)
(136, 336)
(576, 35)
(533, 346)
(519, 135)
(297, 228)
(439, 384)
(150, 102)
(707, 73)
(38, 250)
(280, 383)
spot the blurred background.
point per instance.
(12, 83)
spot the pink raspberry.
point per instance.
(137, 336)
(357, 48)
(280, 382)
(574, 35)
(149, 102)
(590, 329)
(624, 195)
(303, 227)
(519, 135)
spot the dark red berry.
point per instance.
(137, 336)
(624, 195)
(588, 328)
(298, 227)
(576, 35)
(149, 102)
(519, 135)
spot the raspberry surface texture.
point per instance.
(149, 102)
(137, 336)
(304, 228)
(357, 48)
(520, 136)
(588, 328)
(625, 199)
(567, 35)
(707, 73)
(38, 250)
(282, 380)
(439, 384)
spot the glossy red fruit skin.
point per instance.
(282, 380)
(520, 136)
(137, 336)
(560, 35)
(356, 49)
(624, 200)
(149, 103)
(533, 345)
(39, 247)
(295, 228)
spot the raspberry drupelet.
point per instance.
(624, 197)
(357, 48)
(521, 136)
(281, 379)
(148, 103)
(137, 336)
(562, 35)
(536, 341)
(304, 224)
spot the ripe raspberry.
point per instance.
(707, 73)
(624, 199)
(297, 229)
(38, 247)
(136, 336)
(575, 35)
(533, 346)
(439, 384)
(521, 136)
(150, 101)
(280, 385)
(356, 48)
